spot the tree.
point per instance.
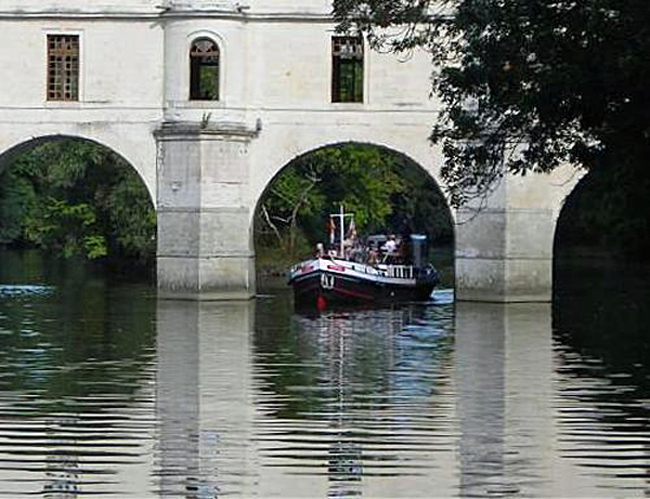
(386, 192)
(362, 178)
(525, 85)
(73, 197)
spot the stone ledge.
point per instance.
(193, 131)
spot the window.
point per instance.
(63, 67)
(204, 70)
(347, 69)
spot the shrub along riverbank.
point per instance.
(75, 198)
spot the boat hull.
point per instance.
(321, 287)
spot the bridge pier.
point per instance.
(204, 234)
(205, 243)
(504, 250)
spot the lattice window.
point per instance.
(63, 67)
(204, 70)
(347, 69)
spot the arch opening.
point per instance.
(604, 219)
(74, 197)
(388, 192)
(601, 270)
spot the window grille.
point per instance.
(204, 70)
(62, 67)
(347, 69)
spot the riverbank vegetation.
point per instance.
(74, 198)
(386, 191)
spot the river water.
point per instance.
(106, 391)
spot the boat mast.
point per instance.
(341, 216)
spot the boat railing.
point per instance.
(382, 269)
(400, 271)
(390, 270)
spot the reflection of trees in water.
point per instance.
(601, 327)
(73, 362)
(48, 339)
(373, 375)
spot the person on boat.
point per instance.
(320, 250)
(373, 256)
(389, 249)
(390, 246)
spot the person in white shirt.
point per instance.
(390, 246)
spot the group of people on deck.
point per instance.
(391, 251)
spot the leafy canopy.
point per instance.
(361, 178)
(525, 85)
(72, 197)
(385, 191)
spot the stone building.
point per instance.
(209, 100)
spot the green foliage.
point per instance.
(386, 192)
(525, 84)
(72, 198)
(421, 208)
(361, 178)
(59, 226)
(17, 198)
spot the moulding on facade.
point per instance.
(190, 130)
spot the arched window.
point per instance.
(204, 70)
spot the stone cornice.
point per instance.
(183, 130)
(163, 14)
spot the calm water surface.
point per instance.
(106, 391)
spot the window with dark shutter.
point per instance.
(347, 69)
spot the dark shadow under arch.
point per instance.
(601, 285)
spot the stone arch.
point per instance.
(391, 150)
(569, 193)
(412, 163)
(7, 153)
(286, 157)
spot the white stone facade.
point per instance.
(206, 163)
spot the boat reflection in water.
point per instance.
(450, 400)
(305, 406)
(108, 392)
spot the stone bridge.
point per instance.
(209, 100)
